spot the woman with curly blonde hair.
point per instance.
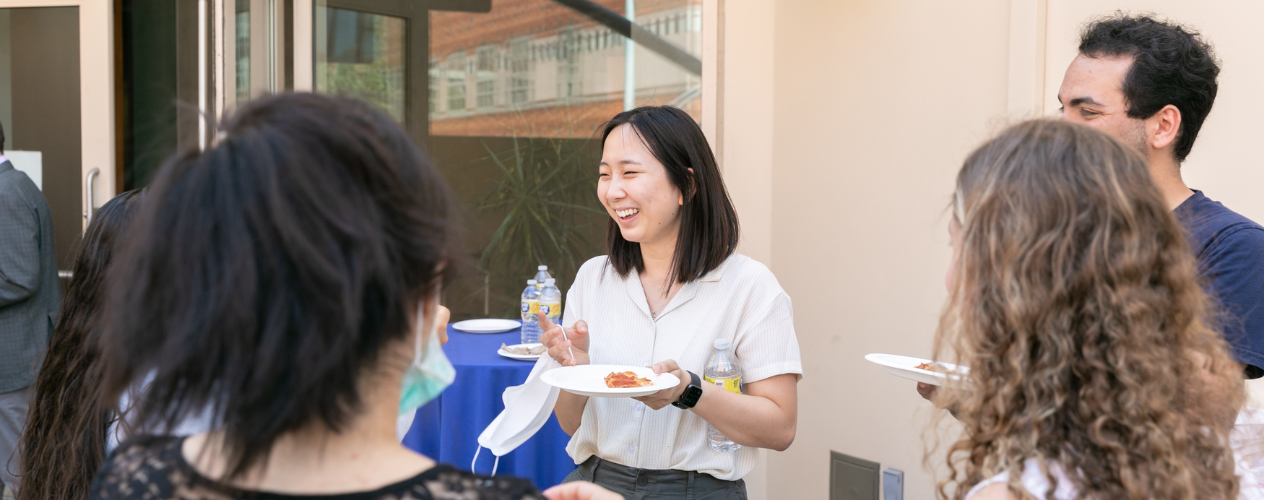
(1072, 297)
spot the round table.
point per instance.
(447, 429)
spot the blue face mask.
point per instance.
(428, 375)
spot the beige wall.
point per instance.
(867, 126)
(876, 103)
(842, 181)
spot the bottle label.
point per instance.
(729, 384)
(551, 309)
(530, 307)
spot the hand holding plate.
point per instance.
(666, 396)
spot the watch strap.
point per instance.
(694, 380)
(685, 402)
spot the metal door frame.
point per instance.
(96, 95)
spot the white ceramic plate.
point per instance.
(590, 380)
(906, 367)
(487, 325)
(524, 357)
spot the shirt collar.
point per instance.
(685, 294)
(718, 272)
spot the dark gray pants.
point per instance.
(13, 407)
(646, 484)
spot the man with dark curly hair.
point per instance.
(1151, 84)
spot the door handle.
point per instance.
(88, 192)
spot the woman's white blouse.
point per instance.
(1037, 485)
(1034, 481)
(740, 301)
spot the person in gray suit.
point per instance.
(29, 301)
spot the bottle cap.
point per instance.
(722, 344)
(549, 282)
(543, 268)
(531, 282)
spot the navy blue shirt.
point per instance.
(1230, 251)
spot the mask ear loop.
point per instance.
(421, 324)
(495, 464)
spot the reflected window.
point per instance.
(455, 81)
(562, 73)
(488, 61)
(362, 56)
(257, 50)
(433, 73)
(242, 18)
(520, 75)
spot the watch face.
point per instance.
(691, 395)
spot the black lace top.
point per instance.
(155, 469)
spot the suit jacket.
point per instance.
(29, 292)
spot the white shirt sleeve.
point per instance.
(766, 344)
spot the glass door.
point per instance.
(505, 97)
(55, 107)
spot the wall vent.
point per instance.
(853, 478)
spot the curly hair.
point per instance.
(1076, 306)
(63, 442)
(1171, 64)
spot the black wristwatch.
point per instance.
(689, 398)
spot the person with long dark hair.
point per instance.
(63, 443)
(671, 287)
(286, 278)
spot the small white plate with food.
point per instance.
(609, 381)
(487, 325)
(525, 352)
(921, 370)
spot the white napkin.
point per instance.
(527, 408)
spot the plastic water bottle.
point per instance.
(551, 301)
(542, 275)
(722, 370)
(530, 307)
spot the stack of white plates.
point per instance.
(487, 325)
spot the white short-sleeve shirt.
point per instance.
(1037, 485)
(740, 301)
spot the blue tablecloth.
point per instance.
(447, 429)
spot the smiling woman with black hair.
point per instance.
(671, 285)
(286, 279)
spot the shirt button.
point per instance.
(638, 406)
(642, 481)
(631, 450)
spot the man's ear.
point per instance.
(1164, 127)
